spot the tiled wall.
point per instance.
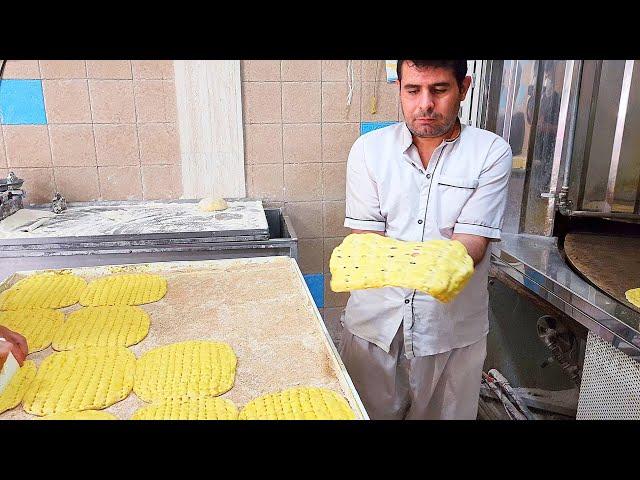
(298, 133)
(93, 130)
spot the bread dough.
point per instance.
(43, 290)
(202, 408)
(17, 387)
(87, 378)
(82, 415)
(38, 326)
(212, 204)
(440, 268)
(299, 403)
(121, 326)
(188, 369)
(124, 289)
(633, 296)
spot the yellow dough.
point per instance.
(202, 408)
(212, 204)
(43, 290)
(188, 369)
(18, 385)
(87, 378)
(121, 326)
(300, 403)
(124, 289)
(633, 296)
(82, 415)
(38, 326)
(440, 268)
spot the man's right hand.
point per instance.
(13, 342)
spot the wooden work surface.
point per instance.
(259, 306)
(611, 263)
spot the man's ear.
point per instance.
(466, 83)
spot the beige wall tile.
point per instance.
(306, 218)
(334, 177)
(302, 142)
(3, 156)
(301, 70)
(374, 71)
(155, 101)
(265, 182)
(336, 70)
(27, 146)
(334, 102)
(260, 70)
(112, 101)
(159, 144)
(55, 69)
(77, 184)
(23, 69)
(302, 182)
(120, 183)
(263, 143)
(67, 101)
(301, 102)
(117, 145)
(386, 105)
(330, 243)
(331, 298)
(152, 69)
(109, 69)
(73, 146)
(162, 182)
(333, 216)
(310, 255)
(261, 102)
(337, 140)
(38, 183)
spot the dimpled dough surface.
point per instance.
(38, 326)
(440, 268)
(633, 296)
(43, 290)
(82, 415)
(121, 326)
(300, 403)
(202, 408)
(124, 289)
(186, 369)
(82, 379)
(18, 385)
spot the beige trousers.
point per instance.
(444, 386)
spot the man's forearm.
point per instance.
(476, 245)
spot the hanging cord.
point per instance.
(373, 108)
(350, 84)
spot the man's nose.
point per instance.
(426, 101)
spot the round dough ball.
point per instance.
(212, 204)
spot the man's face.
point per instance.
(430, 99)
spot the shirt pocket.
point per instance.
(453, 193)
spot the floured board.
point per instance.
(259, 306)
(243, 217)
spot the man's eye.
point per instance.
(439, 90)
(412, 92)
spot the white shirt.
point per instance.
(463, 190)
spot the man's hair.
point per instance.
(459, 67)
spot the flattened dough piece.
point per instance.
(300, 403)
(43, 290)
(120, 326)
(212, 204)
(15, 391)
(633, 296)
(38, 326)
(124, 289)
(440, 268)
(202, 408)
(83, 379)
(188, 369)
(82, 415)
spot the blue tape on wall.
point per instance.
(315, 282)
(366, 127)
(22, 102)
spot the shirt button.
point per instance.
(420, 221)
(406, 300)
(428, 175)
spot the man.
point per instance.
(13, 343)
(429, 177)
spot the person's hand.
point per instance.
(17, 345)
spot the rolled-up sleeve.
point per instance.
(362, 202)
(483, 212)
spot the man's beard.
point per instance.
(434, 130)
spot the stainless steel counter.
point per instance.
(536, 263)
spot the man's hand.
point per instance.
(475, 244)
(15, 343)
